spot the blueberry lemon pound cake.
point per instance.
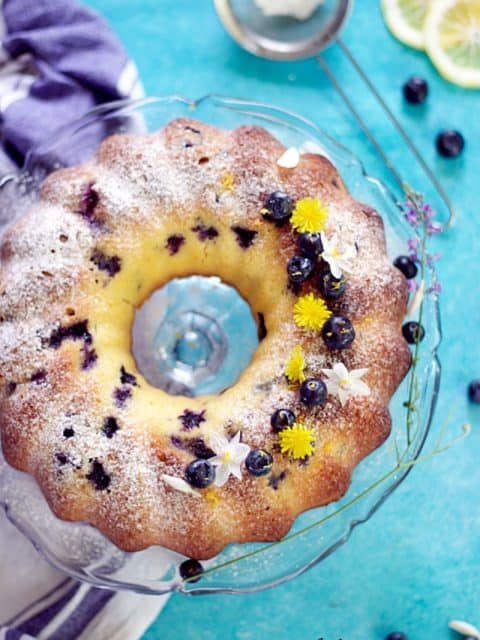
(194, 474)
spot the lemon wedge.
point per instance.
(452, 40)
(406, 18)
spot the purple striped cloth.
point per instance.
(64, 611)
(37, 602)
(57, 60)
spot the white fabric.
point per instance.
(25, 577)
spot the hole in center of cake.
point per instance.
(195, 336)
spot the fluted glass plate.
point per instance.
(80, 550)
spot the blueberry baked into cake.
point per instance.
(194, 474)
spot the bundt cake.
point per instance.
(194, 474)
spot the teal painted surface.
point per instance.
(416, 564)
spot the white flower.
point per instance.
(289, 159)
(344, 383)
(230, 455)
(180, 485)
(338, 256)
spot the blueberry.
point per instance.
(450, 143)
(281, 419)
(111, 264)
(245, 237)
(299, 268)
(174, 243)
(191, 420)
(200, 474)
(97, 476)
(259, 462)
(191, 570)
(413, 332)
(406, 266)
(415, 90)
(331, 288)
(279, 206)
(474, 391)
(338, 332)
(396, 635)
(127, 378)
(110, 426)
(313, 392)
(310, 244)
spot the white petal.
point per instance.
(235, 470)
(236, 437)
(334, 268)
(217, 461)
(359, 388)
(464, 628)
(355, 374)
(240, 452)
(218, 442)
(289, 159)
(329, 242)
(343, 396)
(340, 370)
(222, 474)
(180, 485)
(332, 387)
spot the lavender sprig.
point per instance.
(421, 217)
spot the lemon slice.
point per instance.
(452, 40)
(405, 20)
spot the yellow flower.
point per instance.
(297, 441)
(295, 365)
(311, 312)
(227, 182)
(309, 216)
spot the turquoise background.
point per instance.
(416, 564)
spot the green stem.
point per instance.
(318, 523)
(413, 377)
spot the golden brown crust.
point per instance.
(65, 337)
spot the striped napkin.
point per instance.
(57, 60)
(37, 602)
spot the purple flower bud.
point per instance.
(428, 212)
(433, 228)
(412, 286)
(413, 244)
(412, 218)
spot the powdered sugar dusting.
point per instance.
(206, 186)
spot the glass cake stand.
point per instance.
(81, 551)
